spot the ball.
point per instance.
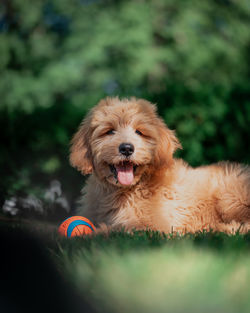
(76, 226)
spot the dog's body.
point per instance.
(137, 184)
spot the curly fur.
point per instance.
(166, 194)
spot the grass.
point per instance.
(148, 272)
(141, 272)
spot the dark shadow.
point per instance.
(30, 282)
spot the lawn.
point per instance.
(149, 272)
(141, 272)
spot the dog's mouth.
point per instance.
(123, 172)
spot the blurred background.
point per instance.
(58, 58)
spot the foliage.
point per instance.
(59, 57)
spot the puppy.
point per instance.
(135, 182)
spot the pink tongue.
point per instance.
(125, 174)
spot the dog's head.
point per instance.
(120, 140)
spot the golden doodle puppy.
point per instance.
(135, 182)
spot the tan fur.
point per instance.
(166, 193)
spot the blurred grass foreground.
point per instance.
(59, 57)
(143, 272)
(150, 273)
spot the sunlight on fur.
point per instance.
(136, 183)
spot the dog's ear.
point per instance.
(80, 152)
(166, 146)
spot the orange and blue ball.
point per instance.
(76, 226)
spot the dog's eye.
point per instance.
(110, 132)
(138, 132)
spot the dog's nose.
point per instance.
(126, 149)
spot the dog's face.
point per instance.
(120, 140)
